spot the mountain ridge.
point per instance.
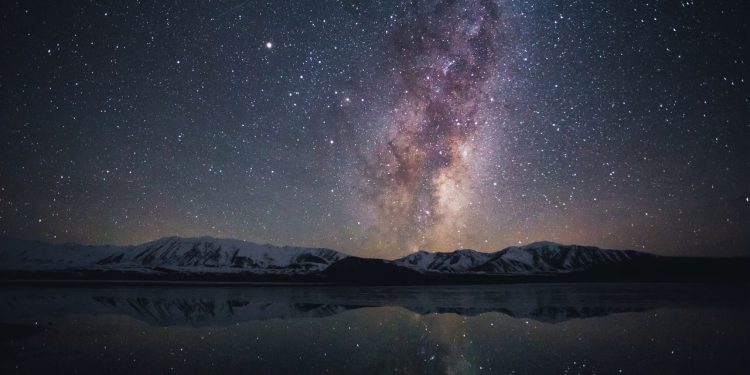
(207, 258)
(177, 253)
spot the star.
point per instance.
(432, 124)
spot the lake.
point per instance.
(493, 329)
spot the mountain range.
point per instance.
(212, 259)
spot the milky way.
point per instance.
(378, 127)
(447, 54)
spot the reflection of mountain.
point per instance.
(226, 306)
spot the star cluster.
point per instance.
(379, 127)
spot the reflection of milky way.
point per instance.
(447, 58)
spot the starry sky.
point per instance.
(378, 127)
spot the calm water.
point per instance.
(512, 329)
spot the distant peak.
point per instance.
(470, 251)
(459, 251)
(206, 239)
(419, 252)
(543, 243)
(198, 239)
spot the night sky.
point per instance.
(376, 127)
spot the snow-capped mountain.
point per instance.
(535, 258)
(456, 261)
(550, 257)
(207, 254)
(204, 254)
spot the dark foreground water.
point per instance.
(508, 329)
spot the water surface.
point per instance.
(520, 329)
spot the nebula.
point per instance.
(446, 56)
